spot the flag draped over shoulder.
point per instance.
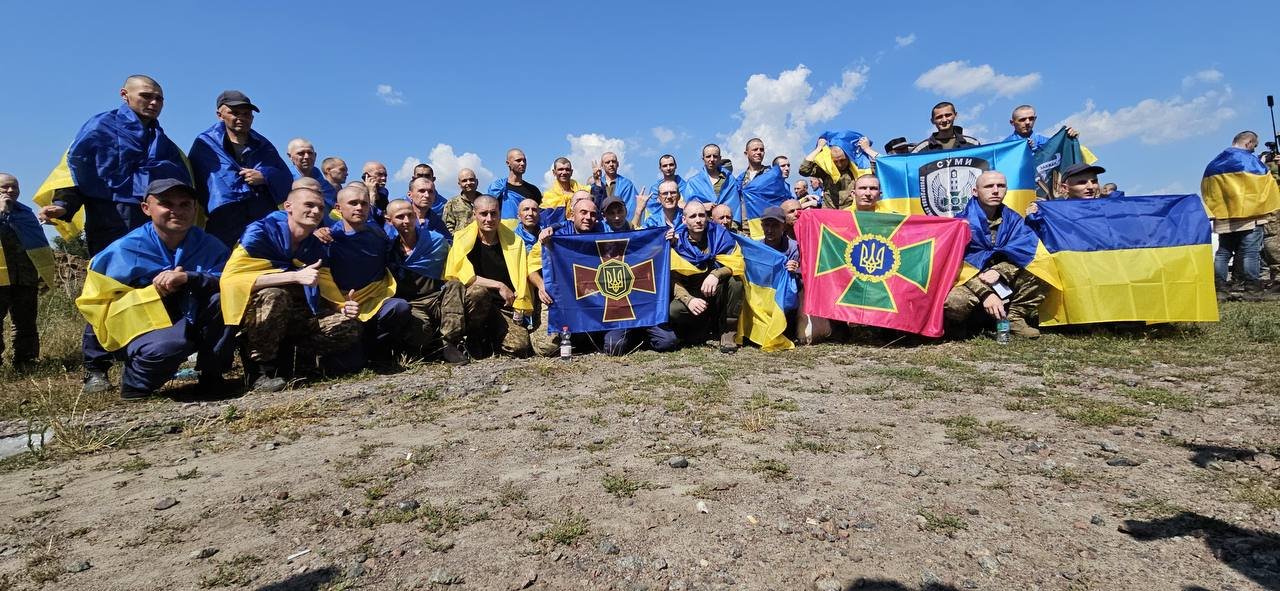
(358, 261)
(625, 191)
(700, 188)
(1237, 185)
(429, 252)
(34, 244)
(608, 281)
(267, 247)
(767, 189)
(119, 300)
(216, 173)
(1132, 259)
(555, 202)
(113, 157)
(653, 207)
(1053, 156)
(880, 269)
(459, 267)
(941, 183)
(769, 289)
(1015, 242)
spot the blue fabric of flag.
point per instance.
(847, 140)
(1014, 239)
(269, 239)
(1090, 225)
(767, 189)
(608, 281)
(114, 157)
(217, 177)
(719, 241)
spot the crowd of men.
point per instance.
(298, 269)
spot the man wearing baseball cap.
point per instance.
(153, 294)
(1080, 181)
(239, 174)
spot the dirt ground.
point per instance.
(1091, 460)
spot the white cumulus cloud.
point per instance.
(587, 148)
(390, 95)
(782, 112)
(663, 135)
(958, 78)
(1152, 120)
(905, 41)
(446, 165)
(1209, 76)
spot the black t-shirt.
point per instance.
(489, 263)
(527, 191)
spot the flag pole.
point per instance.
(1271, 105)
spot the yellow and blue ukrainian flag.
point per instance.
(769, 290)
(767, 189)
(1237, 185)
(119, 300)
(267, 247)
(1132, 259)
(358, 261)
(459, 267)
(847, 141)
(941, 183)
(34, 244)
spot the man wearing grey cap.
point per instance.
(239, 175)
(154, 295)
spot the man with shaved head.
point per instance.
(491, 262)
(108, 166)
(374, 175)
(669, 203)
(418, 256)
(706, 295)
(606, 183)
(837, 193)
(303, 157)
(584, 218)
(457, 212)
(1023, 121)
(866, 192)
(1000, 247)
(556, 199)
(755, 161)
(423, 197)
(723, 215)
(335, 172)
(513, 189)
(528, 222)
(791, 209)
(271, 288)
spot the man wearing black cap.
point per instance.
(948, 135)
(239, 174)
(1080, 181)
(154, 294)
(615, 215)
(898, 145)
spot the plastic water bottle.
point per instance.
(566, 343)
(1002, 331)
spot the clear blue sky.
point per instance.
(1168, 86)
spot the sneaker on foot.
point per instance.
(96, 382)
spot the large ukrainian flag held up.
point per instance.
(941, 183)
(608, 281)
(880, 269)
(1131, 259)
(1237, 185)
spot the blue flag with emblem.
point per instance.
(608, 281)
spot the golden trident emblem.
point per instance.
(615, 280)
(872, 257)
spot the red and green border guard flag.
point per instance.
(880, 269)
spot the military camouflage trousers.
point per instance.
(278, 315)
(439, 318)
